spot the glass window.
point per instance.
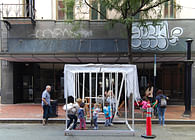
(103, 10)
(94, 14)
(65, 10)
(169, 11)
(100, 7)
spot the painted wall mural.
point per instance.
(145, 37)
(154, 36)
(59, 33)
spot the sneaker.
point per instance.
(111, 124)
(95, 128)
(43, 122)
(46, 122)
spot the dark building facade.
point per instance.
(34, 55)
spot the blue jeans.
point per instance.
(113, 113)
(107, 122)
(46, 111)
(95, 121)
(72, 117)
(161, 115)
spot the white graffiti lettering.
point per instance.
(149, 36)
(154, 36)
(62, 33)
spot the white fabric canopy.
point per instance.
(130, 71)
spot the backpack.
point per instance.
(72, 111)
(163, 102)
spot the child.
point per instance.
(144, 106)
(95, 115)
(111, 100)
(107, 113)
(81, 115)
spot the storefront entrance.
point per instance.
(170, 78)
(30, 80)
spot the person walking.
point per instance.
(46, 104)
(161, 102)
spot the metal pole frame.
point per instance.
(96, 84)
(116, 91)
(119, 96)
(83, 95)
(78, 85)
(103, 76)
(74, 88)
(66, 91)
(90, 94)
(110, 90)
(102, 132)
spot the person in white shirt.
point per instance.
(72, 112)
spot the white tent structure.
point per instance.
(129, 81)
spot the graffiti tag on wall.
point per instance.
(154, 36)
(59, 33)
(148, 37)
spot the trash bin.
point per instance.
(54, 109)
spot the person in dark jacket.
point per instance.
(161, 108)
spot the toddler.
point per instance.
(96, 110)
(107, 113)
(81, 115)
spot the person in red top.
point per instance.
(144, 106)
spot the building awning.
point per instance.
(89, 58)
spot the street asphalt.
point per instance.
(56, 132)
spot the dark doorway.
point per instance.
(27, 88)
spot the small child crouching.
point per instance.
(95, 115)
(81, 115)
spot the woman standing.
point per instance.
(161, 106)
(149, 92)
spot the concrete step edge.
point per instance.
(54, 120)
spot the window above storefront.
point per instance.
(65, 10)
(170, 9)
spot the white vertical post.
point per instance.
(96, 84)
(78, 86)
(75, 77)
(74, 88)
(116, 85)
(103, 87)
(90, 90)
(83, 87)
(66, 91)
(125, 96)
(133, 117)
(110, 80)
(119, 96)
(116, 90)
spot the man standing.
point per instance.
(46, 104)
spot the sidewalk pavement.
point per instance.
(33, 113)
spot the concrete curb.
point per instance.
(62, 121)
